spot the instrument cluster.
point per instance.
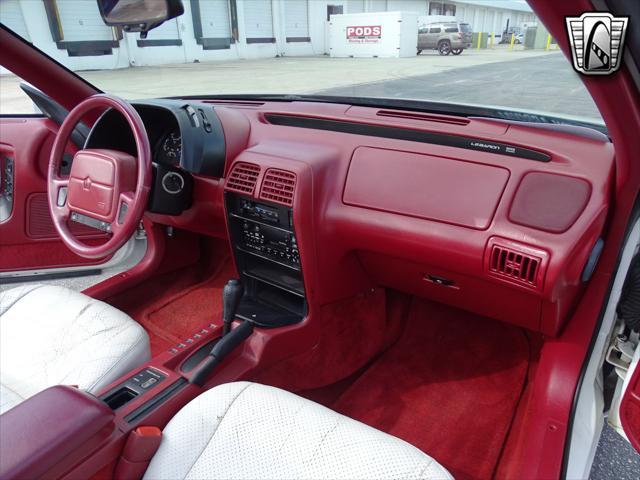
(169, 148)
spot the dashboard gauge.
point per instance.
(171, 148)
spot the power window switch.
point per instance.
(149, 383)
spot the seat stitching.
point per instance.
(224, 415)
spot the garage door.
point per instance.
(296, 20)
(11, 16)
(258, 21)
(419, 6)
(355, 6)
(378, 5)
(80, 21)
(163, 36)
(214, 15)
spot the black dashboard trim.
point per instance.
(396, 133)
(202, 135)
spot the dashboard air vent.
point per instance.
(243, 177)
(422, 116)
(278, 186)
(515, 265)
(235, 103)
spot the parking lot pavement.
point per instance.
(615, 458)
(544, 83)
(295, 75)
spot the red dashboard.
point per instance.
(495, 217)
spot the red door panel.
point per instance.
(630, 410)
(27, 237)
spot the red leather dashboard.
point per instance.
(454, 221)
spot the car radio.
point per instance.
(271, 242)
(267, 256)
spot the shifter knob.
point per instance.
(231, 296)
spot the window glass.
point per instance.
(13, 100)
(288, 51)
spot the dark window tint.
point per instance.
(451, 29)
(434, 30)
(423, 30)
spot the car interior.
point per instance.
(435, 277)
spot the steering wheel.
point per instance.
(106, 189)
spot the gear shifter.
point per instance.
(230, 339)
(231, 296)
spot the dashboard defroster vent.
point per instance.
(278, 186)
(423, 117)
(243, 177)
(517, 263)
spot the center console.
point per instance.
(268, 261)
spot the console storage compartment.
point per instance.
(135, 385)
(50, 432)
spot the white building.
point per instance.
(72, 31)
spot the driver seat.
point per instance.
(51, 335)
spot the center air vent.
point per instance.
(517, 263)
(278, 186)
(243, 177)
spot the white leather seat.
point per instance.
(250, 431)
(55, 336)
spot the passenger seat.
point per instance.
(246, 430)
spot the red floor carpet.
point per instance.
(450, 386)
(190, 310)
(175, 305)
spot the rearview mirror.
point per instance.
(139, 15)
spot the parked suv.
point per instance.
(446, 37)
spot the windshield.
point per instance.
(353, 49)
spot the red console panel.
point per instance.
(425, 186)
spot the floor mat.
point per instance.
(196, 307)
(450, 386)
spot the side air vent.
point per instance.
(422, 116)
(242, 178)
(517, 263)
(278, 186)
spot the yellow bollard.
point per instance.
(479, 39)
(513, 40)
(492, 38)
(548, 42)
